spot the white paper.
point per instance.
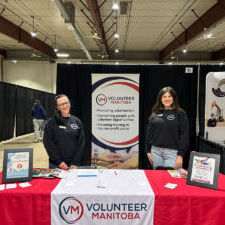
(2, 187)
(170, 185)
(62, 174)
(84, 172)
(102, 184)
(25, 184)
(203, 169)
(10, 186)
(70, 180)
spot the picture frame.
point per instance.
(203, 170)
(17, 165)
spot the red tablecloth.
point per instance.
(27, 206)
(184, 205)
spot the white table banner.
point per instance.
(103, 197)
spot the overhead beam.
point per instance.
(220, 54)
(97, 20)
(3, 52)
(22, 36)
(215, 14)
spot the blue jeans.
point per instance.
(163, 157)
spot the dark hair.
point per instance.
(58, 116)
(60, 96)
(159, 106)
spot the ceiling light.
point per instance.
(55, 46)
(184, 50)
(116, 35)
(115, 6)
(116, 50)
(68, 62)
(33, 33)
(221, 63)
(116, 63)
(14, 61)
(62, 55)
(209, 35)
(34, 55)
(170, 63)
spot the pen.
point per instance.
(86, 175)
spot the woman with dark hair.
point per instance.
(64, 136)
(168, 133)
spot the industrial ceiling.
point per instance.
(148, 30)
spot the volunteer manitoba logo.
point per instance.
(101, 99)
(70, 210)
(74, 126)
(171, 117)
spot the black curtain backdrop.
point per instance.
(213, 148)
(74, 80)
(7, 110)
(204, 70)
(24, 101)
(16, 103)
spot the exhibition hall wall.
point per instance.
(39, 75)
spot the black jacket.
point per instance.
(168, 129)
(64, 140)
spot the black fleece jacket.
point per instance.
(64, 140)
(168, 129)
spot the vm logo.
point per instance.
(101, 99)
(70, 210)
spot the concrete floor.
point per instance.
(40, 157)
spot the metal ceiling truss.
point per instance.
(22, 36)
(69, 22)
(3, 52)
(219, 55)
(94, 10)
(214, 15)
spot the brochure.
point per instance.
(49, 173)
(181, 173)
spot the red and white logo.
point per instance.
(101, 99)
(70, 210)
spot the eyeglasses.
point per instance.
(62, 104)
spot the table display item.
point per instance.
(203, 169)
(17, 165)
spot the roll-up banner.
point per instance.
(215, 106)
(115, 120)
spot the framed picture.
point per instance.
(17, 165)
(203, 170)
